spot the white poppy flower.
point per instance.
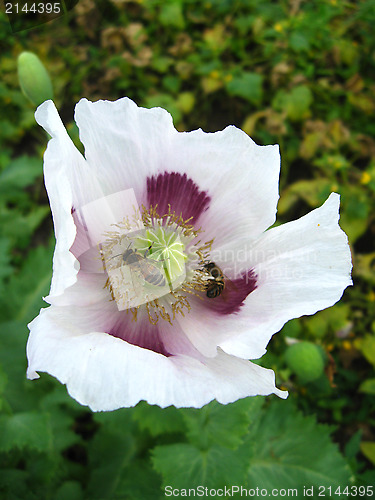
(211, 284)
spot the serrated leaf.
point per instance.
(184, 466)
(293, 451)
(25, 430)
(64, 410)
(118, 419)
(158, 420)
(223, 425)
(133, 486)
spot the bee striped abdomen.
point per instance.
(215, 284)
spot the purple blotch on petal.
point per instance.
(178, 191)
(141, 333)
(232, 297)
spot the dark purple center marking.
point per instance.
(140, 333)
(232, 297)
(181, 193)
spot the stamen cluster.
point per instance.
(156, 267)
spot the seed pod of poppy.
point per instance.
(34, 78)
(305, 360)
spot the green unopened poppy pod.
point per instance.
(34, 78)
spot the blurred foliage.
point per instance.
(294, 72)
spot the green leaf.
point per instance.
(353, 445)
(25, 430)
(295, 103)
(171, 15)
(185, 466)
(22, 299)
(299, 42)
(13, 338)
(71, 490)
(356, 209)
(64, 410)
(164, 101)
(314, 192)
(185, 102)
(293, 451)
(367, 478)
(365, 266)
(248, 86)
(20, 173)
(133, 486)
(222, 424)
(21, 394)
(19, 226)
(5, 267)
(368, 449)
(368, 386)
(3, 383)
(120, 419)
(110, 452)
(14, 484)
(158, 420)
(367, 346)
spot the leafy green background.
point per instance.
(290, 72)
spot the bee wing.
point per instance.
(229, 284)
(151, 274)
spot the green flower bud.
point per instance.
(305, 360)
(34, 78)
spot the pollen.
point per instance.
(157, 267)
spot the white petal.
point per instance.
(125, 144)
(60, 153)
(70, 185)
(106, 373)
(302, 266)
(89, 289)
(241, 178)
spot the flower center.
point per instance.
(155, 267)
